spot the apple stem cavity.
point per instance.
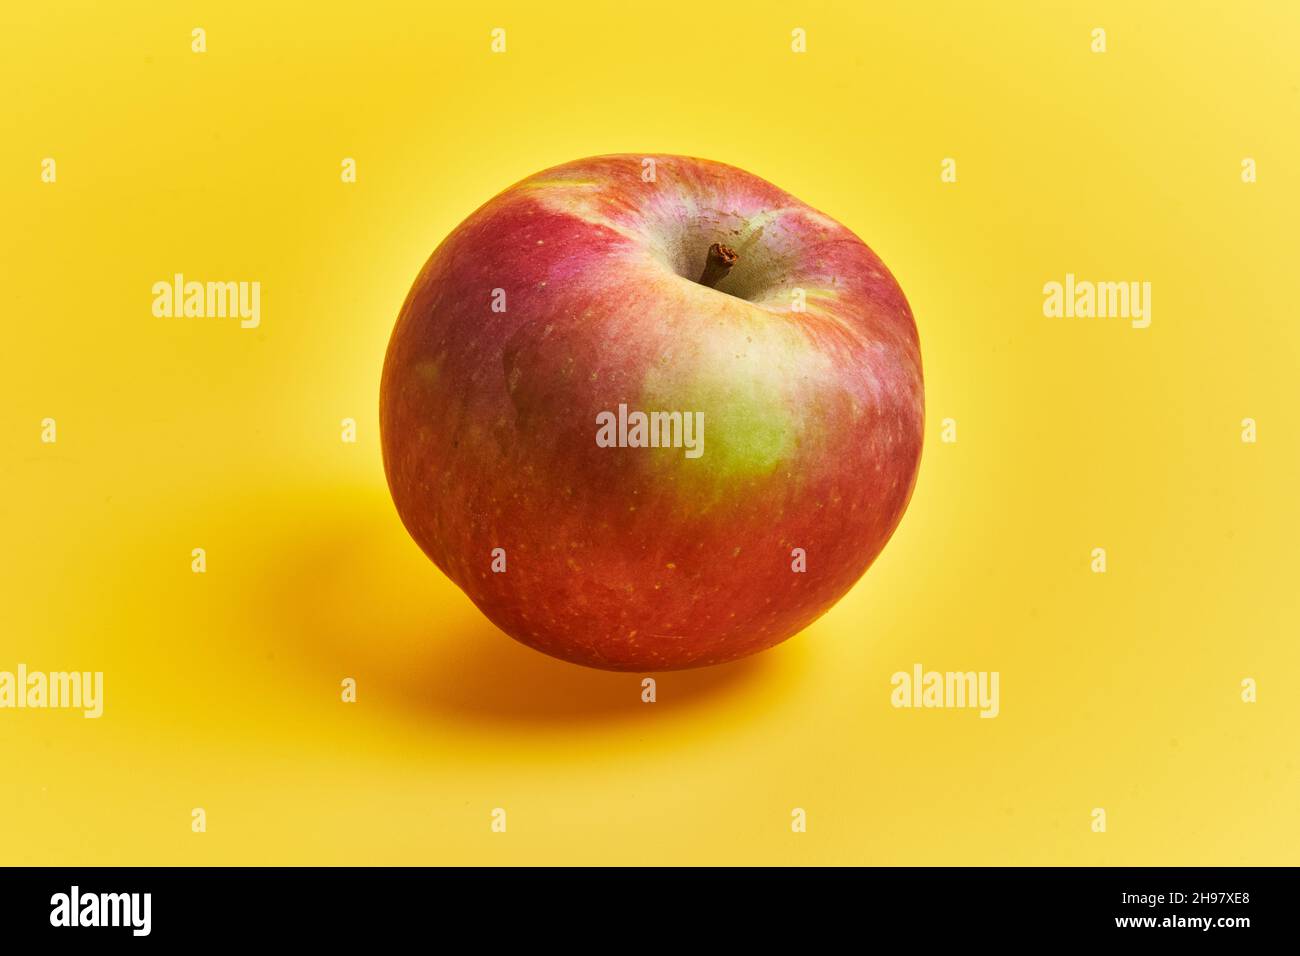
(721, 259)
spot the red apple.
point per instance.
(613, 286)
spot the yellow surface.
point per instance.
(222, 690)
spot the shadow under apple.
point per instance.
(354, 597)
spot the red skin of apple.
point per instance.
(643, 559)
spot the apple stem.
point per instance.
(721, 259)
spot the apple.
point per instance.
(652, 415)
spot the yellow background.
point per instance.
(1119, 691)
